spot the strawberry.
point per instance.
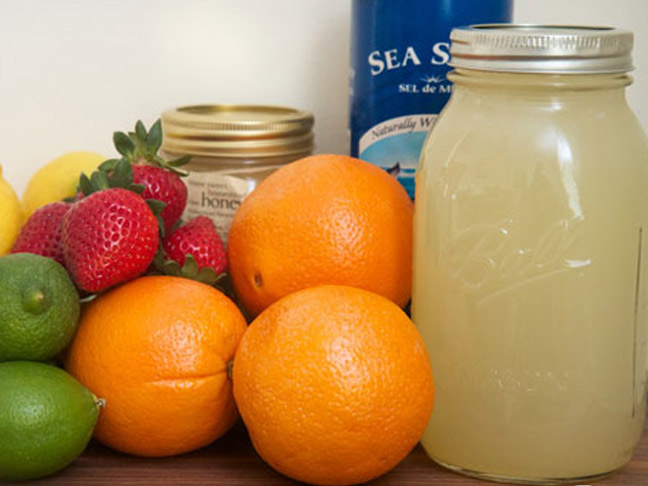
(160, 178)
(196, 251)
(41, 234)
(165, 186)
(109, 236)
(199, 239)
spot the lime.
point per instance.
(58, 179)
(46, 419)
(11, 215)
(39, 307)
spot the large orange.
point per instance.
(156, 350)
(333, 384)
(325, 219)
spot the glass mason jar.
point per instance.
(233, 148)
(530, 256)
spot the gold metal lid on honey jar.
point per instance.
(237, 131)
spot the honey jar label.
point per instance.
(216, 196)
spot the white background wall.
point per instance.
(73, 71)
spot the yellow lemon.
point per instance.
(11, 215)
(58, 179)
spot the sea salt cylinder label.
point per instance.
(400, 51)
(395, 145)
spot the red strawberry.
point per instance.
(109, 237)
(165, 186)
(200, 239)
(159, 177)
(41, 234)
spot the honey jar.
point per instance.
(233, 148)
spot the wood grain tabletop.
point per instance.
(231, 461)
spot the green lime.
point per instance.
(46, 419)
(39, 307)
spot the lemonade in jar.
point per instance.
(530, 258)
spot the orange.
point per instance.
(325, 219)
(333, 384)
(157, 350)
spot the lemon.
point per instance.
(39, 308)
(58, 179)
(12, 216)
(46, 419)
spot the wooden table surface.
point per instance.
(231, 461)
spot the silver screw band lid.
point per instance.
(559, 49)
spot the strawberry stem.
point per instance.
(142, 147)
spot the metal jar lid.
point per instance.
(238, 131)
(557, 49)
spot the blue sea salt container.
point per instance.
(399, 60)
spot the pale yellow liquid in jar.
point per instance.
(529, 282)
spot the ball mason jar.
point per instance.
(530, 258)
